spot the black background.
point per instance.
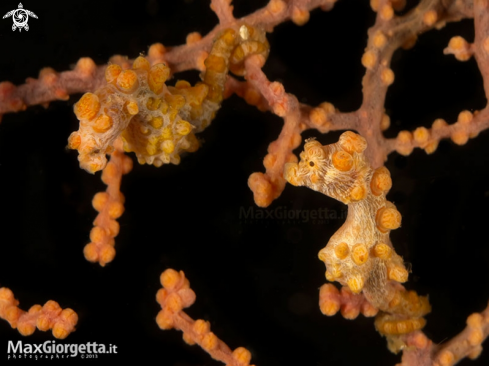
(256, 281)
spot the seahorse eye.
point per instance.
(311, 163)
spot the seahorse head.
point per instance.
(337, 170)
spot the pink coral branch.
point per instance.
(468, 343)
(247, 91)
(175, 295)
(467, 126)
(51, 86)
(88, 77)
(50, 316)
(481, 41)
(223, 10)
(181, 58)
(110, 205)
(266, 187)
(389, 33)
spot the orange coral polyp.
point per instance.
(102, 124)
(397, 273)
(356, 283)
(381, 181)
(157, 76)
(342, 250)
(87, 107)
(342, 161)
(141, 63)
(382, 251)
(74, 141)
(215, 63)
(127, 81)
(359, 254)
(351, 142)
(388, 218)
(112, 72)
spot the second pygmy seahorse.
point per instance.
(359, 255)
(157, 121)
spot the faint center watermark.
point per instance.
(283, 214)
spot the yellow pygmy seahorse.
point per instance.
(157, 121)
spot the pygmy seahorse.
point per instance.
(157, 121)
(359, 255)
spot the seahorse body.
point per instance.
(359, 255)
(157, 121)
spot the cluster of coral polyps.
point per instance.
(176, 295)
(157, 121)
(110, 206)
(49, 316)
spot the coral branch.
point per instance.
(183, 58)
(175, 295)
(468, 343)
(351, 305)
(480, 46)
(467, 126)
(421, 351)
(51, 86)
(49, 316)
(223, 10)
(110, 205)
(247, 91)
(417, 349)
(266, 187)
(87, 77)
